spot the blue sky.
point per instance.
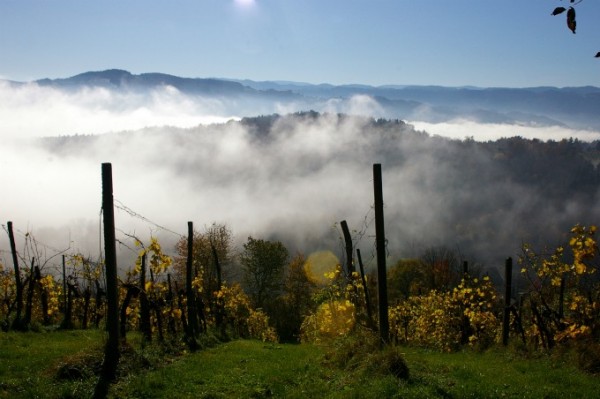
(441, 42)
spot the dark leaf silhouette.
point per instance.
(571, 23)
(558, 10)
(597, 54)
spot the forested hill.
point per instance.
(291, 177)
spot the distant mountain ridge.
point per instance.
(121, 79)
(576, 107)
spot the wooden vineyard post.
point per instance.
(64, 274)
(507, 295)
(111, 353)
(384, 326)
(18, 283)
(193, 326)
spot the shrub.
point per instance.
(447, 320)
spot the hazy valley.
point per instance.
(251, 155)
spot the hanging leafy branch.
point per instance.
(571, 17)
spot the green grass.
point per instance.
(238, 369)
(31, 362)
(497, 373)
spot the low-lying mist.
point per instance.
(178, 158)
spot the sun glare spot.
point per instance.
(318, 263)
(245, 3)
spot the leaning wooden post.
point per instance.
(348, 246)
(507, 295)
(18, 282)
(111, 352)
(384, 327)
(193, 326)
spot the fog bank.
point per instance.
(178, 158)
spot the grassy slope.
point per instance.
(495, 374)
(29, 362)
(250, 369)
(245, 369)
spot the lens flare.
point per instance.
(319, 263)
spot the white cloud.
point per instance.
(461, 129)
